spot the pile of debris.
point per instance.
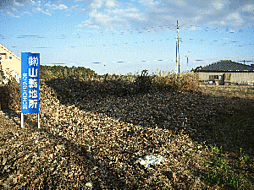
(91, 138)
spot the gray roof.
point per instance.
(226, 65)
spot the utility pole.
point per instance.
(178, 65)
(176, 59)
(187, 62)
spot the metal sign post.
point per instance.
(30, 75)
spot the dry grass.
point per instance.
(233, 91)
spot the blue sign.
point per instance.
(30, 75)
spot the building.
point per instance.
(226, 72)
(10, 63)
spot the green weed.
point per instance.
(244, 158)
(220, 173)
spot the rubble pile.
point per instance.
(92, 138)
(166, 108)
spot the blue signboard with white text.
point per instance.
(30, 75)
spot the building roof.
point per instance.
(226, 65)
(5, 48)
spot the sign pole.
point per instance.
(39, 121)
(22, 120)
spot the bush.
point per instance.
(9, 93)
(143, 82)
(10, 96)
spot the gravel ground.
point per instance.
(93, 139)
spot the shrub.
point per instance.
(143, 82)
(10, 96)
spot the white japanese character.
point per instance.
(24, 106)
(33, 94)
(33, 73)
(33, 61)
(32, 83)
(24, 94)
(33, 103)
(25, 103)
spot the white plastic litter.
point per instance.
(151, 159)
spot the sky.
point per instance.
(128, 36)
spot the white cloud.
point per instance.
(149, 3)
(46, 12)
(38, 9)
(14, 10)
(78, 8)
(129, 13)
(248, 8)
(234, 19)
(17, 4)
(107, 14)
(11, 14)
(21, 3)
(193, 27)
(26, 12)
(233, 16)
(97, 4)
(148, 13)
(59, 7)
(219, 4)
(47, 5)
(198, 12)
(111, 3)
(231, 31)
(89, 24)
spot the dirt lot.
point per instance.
(91, 137)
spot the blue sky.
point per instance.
(122, 36)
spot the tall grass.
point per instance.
(182, 82)
(187, 81)
(130, 83)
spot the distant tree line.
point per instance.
(57, 71)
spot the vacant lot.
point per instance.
(92, 134)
